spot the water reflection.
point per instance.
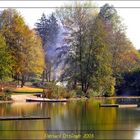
(78, 116)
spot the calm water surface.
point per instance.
(76, 118)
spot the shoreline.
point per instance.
(119, 97)
(11, 101)
(23, 97)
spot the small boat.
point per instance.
(45, 100)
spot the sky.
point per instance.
(128, 10)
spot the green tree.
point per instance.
(75, 21)
(88, 59)
(102, 79)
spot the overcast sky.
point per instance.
(128, 10)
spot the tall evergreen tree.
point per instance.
(42, 28)
(48, 30)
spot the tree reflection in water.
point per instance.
(107, 123)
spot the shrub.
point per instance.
(92, 93)
(54, 91)
(72, 93)
(79, 93)
(8, 90)
(5, 96)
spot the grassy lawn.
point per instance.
(27, 90)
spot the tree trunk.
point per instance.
(1, 87)
(80, 60)
(86, 89)
(18, 78)
(50, 74)
(43, 76)
(22, 81)
(75, 84)
(47, 76)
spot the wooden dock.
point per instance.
(127, 105)
(45, 100)
(119, 105)
(22, 118)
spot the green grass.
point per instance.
(20, 93)
(27, 90)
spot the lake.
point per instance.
(71, 120)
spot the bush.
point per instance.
(54, 91)
(5, 96)
(72, 93)
(79, 93)
(8, 90)
(110, 91)
(92, 93)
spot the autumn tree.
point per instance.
(5, 60)
(125, 56)
(21, 42)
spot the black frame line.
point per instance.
(75, 0)
(138, 7)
